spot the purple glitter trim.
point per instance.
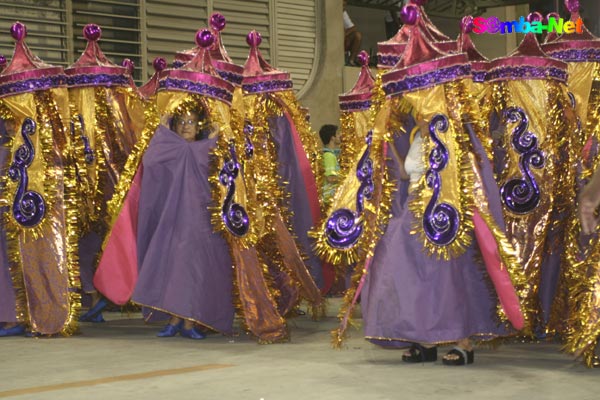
(29, 206)
(231, 77)
(32, 85)
(527, 72)
(355, 105)
(479, 76)
(436, 77)
(522, 195)
(234, 216)
(178, 64)
(195, 87)
(389, 61)
(267, 86)
(97, 80)
(440, 220)
(577, 55)
(344, 227)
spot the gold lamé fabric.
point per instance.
(543, 102)
(108, 122)
(42, 258)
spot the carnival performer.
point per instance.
(421, 282)
(205, 276)
(535, 167)
(39, 222)
(289, 165)
(107, 118)
(575, 312)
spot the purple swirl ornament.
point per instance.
(466, 24)
(234, 216)
(254, 39)
(217, 22)
(204, 38)
(572, 6)
(440, 221)
(344, 227)
(409, 14)
(92, 32)
(522, 195)
(18, 31)
(159, 64)
(28, 207)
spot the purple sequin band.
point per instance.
(32, 85)
(267, 86)
(355, 105)
(479, 76)
(527, 72)
(577, 55)
(178, 64)
(231, 77)
(433, 78)
(97, 80)
(196, 87)
(389, 61)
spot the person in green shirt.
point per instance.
(331, 150)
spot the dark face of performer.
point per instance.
(186, 125)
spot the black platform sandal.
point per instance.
(464, 357)
(419, 353)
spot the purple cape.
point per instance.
(184, 267)
(410, 296)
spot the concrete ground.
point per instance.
(122, 359)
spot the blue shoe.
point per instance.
(170, 330)
(17, 330)
(192, 334)
(94, 311)
(97, 318)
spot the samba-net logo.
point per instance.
(493, 25)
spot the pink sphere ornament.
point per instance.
(466, 24)
(254, 39)
(18, 31)
(409, 14)
(218, 22)
(363, 58)
(204, 38)
(92, 32)
(572, 5)
(159, 64)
